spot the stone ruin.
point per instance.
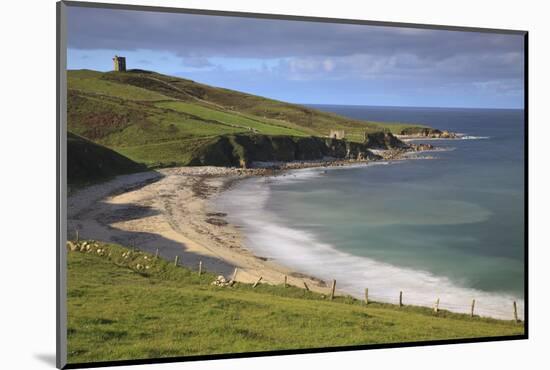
(337, 134)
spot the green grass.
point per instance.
(161, 120)
(117, 311)
(166, 154)
(396, 127)
(232, 119)
(89, 82)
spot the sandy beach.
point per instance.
(172, 210)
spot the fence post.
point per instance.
(176, 260)
(233, 278)
(436, 307)
(400, 298)
(285, 281)
(366, 296)
(332, 290)
(200, 268)
(257, 282)
(76, 230)
(515, 312)
(305, 285)
(157, 254)
(473, 305)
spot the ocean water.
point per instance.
(450, 227)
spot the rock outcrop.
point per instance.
(383, 140)
(428, 132)
(421, 147)
(243, 150)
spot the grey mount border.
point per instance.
(61, 189)
(288, 17)
(61, 186)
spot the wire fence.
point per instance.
(512, 311)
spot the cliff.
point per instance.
(242, 150)
(383, 140)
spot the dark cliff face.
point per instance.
(242, 150)
(88, 162)
(383, 140)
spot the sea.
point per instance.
(445, 224)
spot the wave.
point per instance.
(470, 137)
(265, 234)
(304, 174)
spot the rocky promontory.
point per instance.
(241, 150)
(427, 132)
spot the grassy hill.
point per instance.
(126, 304)
(161, 120)
(88, 162)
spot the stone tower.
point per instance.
(120, 63)
(337, 134)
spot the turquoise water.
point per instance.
(449, 227)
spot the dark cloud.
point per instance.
(206, 36)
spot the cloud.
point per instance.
(404, 66)
(196, 62)
(195, 35)
(404, 59)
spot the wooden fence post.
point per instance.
(232, 281)
(305, 285)
(157, 254)
(176, 260)
(332, 290)
(400, 298)
(257, 282)
(473, 305)
(515, 312)
(200, 268)
(366, 295)
(436, 307)
(285, 281)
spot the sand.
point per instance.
(172, 210)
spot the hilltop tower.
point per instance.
(120, 63)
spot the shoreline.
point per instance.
(301, 249)
(174, 210)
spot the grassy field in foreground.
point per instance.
(124, 304)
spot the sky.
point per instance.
(307, 62)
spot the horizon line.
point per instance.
(409, 106)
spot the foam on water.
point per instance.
(469, 137)
(266, 236)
